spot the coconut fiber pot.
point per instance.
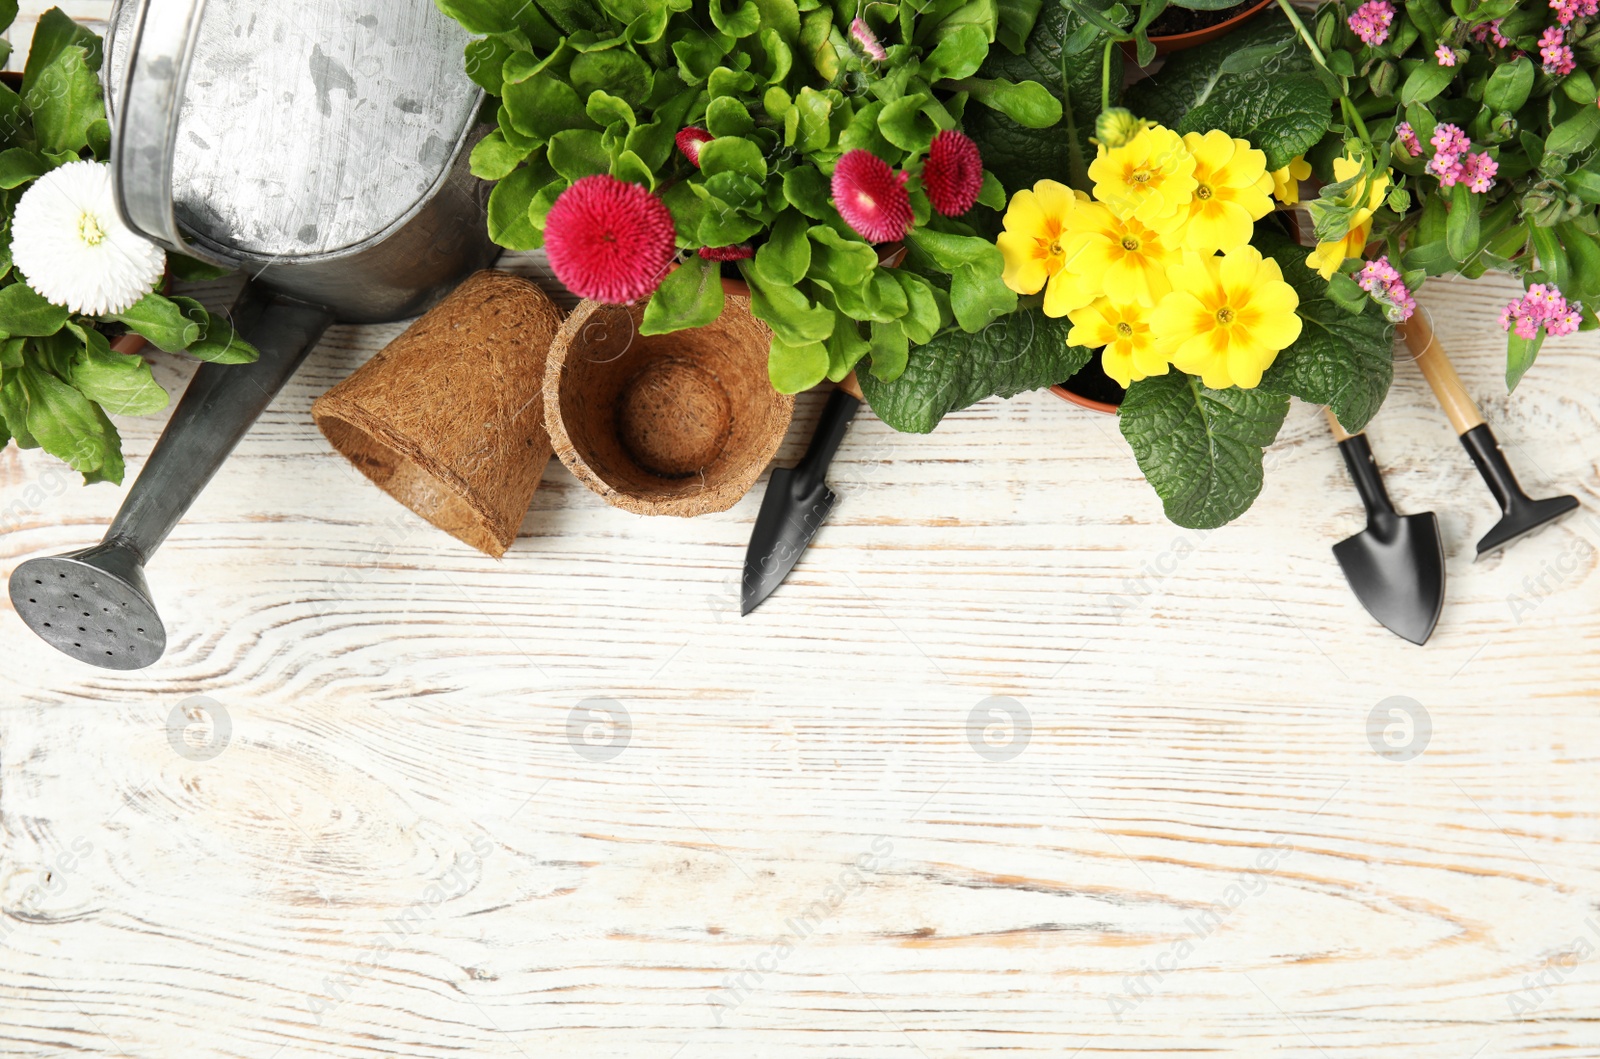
(676, 424)
(448, 419)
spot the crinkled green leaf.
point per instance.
(1342, 359)
(1023, 351)
(1200, 449)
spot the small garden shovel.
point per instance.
(1521, 514)
(1396, 565)
(797, 502)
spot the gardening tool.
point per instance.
(324, 154)
(1396, 565)
(1521, 514)
(797, 502)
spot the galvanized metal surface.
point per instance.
(311, 126)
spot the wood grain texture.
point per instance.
(799, 851)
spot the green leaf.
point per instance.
(616, 71)
(159, 319)
(727, 116)
(958, 55)
(1575, 134)
(119, 383)
(8, 15)
(840, 261)
(66, 425)
(486, 62)
(577, 153)
(65, 99)
(604, 109)
(1461, 231)
(1341, 359)
(788, 312)
(813, 110)
(25, 312)
(1520, 354)
(485, 16)
(1508, 87)
(796, 367)
(631, 169)
(1547, 249)
(733, 154)
(690, 296)
(1425, 82)
(492, 159)
(785, 257)
(19, 165)
(978, 295)
(1017, 19)
(1284, 116)
(1023, 351)
(218, 343)
(891, 351)
(922, 319)
(807, 191)
(904, 124)
(509, 223)
(1028, 103)
(1199, 448)
(543, 106)
(53, 34)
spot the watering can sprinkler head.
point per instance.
(92, 605)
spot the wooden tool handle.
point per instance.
(1339, 432)
(1441, 374)
(852, 387)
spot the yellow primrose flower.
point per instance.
(1150, 178)
(1231, 193)
(1124, 330)
(1120, 258)
(1226, 317)
(1033, 245)
(1327, 257)
(1286, 181)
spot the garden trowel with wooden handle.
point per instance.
(1521, 514)
(797, 502)
(1396, 565)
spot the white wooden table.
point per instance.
(404, 826)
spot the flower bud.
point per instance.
(1454, 31)
(1384, 79)
(1399, 200)
(1504, 126)
(1116, 126)
(1327, 29)
(1548, 203)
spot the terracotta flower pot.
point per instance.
(677, 424)
(1090, 388)
(1184, 41)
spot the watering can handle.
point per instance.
(146, 139)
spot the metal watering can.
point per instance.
(319, 145)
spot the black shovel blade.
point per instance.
(790, 517)
(1396, 569)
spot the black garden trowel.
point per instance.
(1396, 565)
(797, 503)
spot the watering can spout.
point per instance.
(93, 605)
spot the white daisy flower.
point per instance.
(71, 246)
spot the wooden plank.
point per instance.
(406, 846)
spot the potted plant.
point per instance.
(799, 143)
(74, 278)
(1478, 122)
(1147, 28)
